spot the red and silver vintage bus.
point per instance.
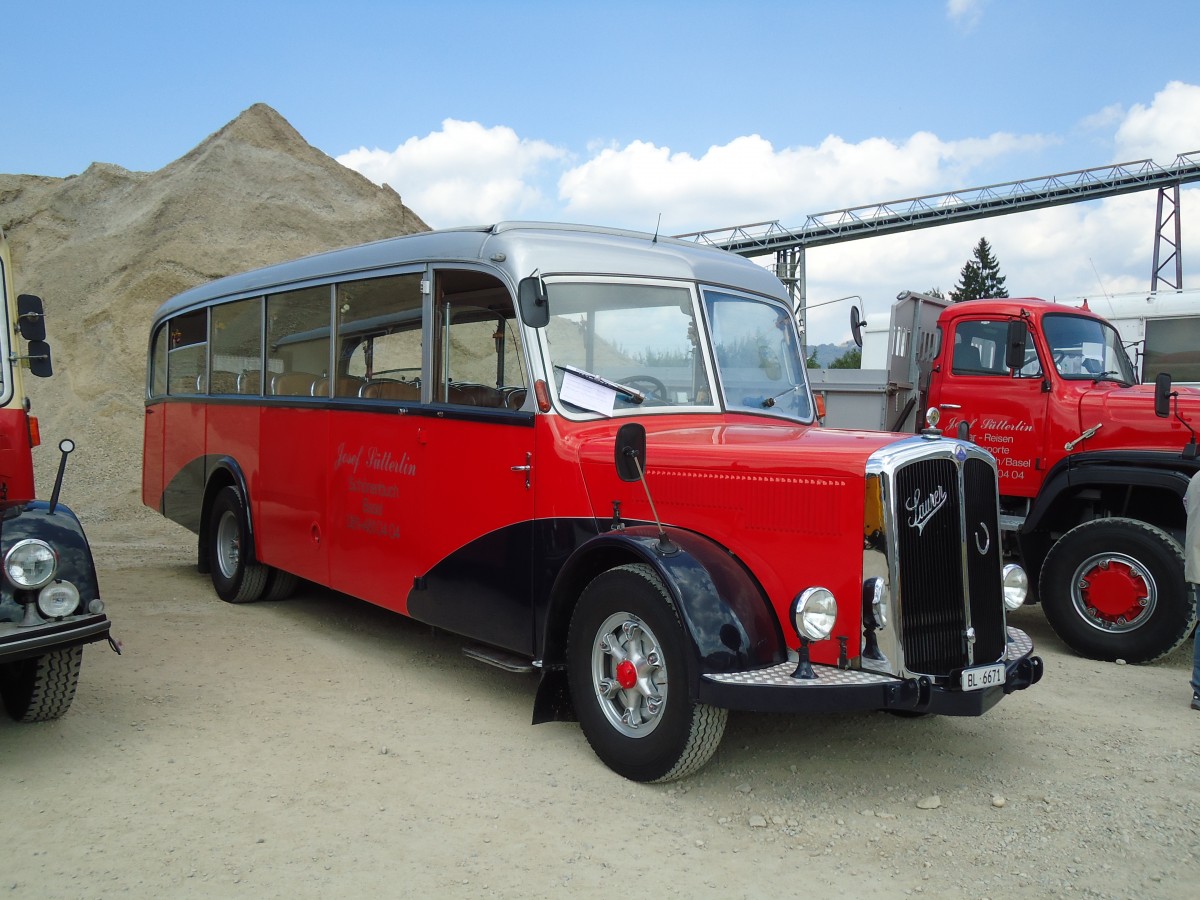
(588, 452)
(50, 604)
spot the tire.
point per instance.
(280, 585)
(1114, 589)
(235, 580)
(628, 665)
(41, 689)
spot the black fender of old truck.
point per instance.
(1163, 472)
(727, 619)
(61, 529)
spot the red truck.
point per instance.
(1092, 464)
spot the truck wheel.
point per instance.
(235, 580)
(42, 688)
(627, 663)
(1114, 589)
(280, 585)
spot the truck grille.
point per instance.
(948, 560)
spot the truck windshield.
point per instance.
(648, 338)
(1083, 348)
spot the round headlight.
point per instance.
(876, 598)
(1016, 586)
(814, 613)
(59, 598)
(30, 564)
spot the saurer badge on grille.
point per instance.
(924, 510)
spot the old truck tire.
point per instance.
(627, 663)
(1114, 589)
(42, 688)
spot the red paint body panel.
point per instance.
(16, 454)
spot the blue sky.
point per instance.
(710, 114)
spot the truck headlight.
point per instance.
(814, 613)
(1016, 586)
(57, 599)
(30, 564)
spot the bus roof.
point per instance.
(517, 249)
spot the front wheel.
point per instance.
(1114, 589)
(627, 663)
(235, 579)
(42, 688)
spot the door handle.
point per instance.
(525, 468)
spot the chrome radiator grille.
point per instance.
(948, 564)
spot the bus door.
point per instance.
(289, 489)
(474, 465)
(175, 429)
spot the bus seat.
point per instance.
(223, 383)
(515, 398)
(475, 395)
(293, 384)
(344, 386)
(387, 389)
(250, 382)
(967, 359)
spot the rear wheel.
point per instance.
(627, 662)
(280, 585)
(1114, 589)
(235, 579)
(42, 688)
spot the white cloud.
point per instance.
(464, 174)
(965, 13)
(467, 173)
(1170, 125)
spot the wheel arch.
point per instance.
(1147, 493)
(728, 620)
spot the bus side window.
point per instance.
(477, 350)
(237, 348)
(158, 363)
(187, 353)
(297, 341)
(379, 338)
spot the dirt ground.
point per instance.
(320, 746)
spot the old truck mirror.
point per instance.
(39, 359)
(531, 298)
(31, 318)
(1162, 395)
(1018, 337)
(856, 324)
(629, 451)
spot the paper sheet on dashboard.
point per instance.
(587, 394)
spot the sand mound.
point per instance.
(106, 247)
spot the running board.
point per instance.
(501, 659)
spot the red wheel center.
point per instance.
(626, 674)
(1115, 591)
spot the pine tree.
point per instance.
(980, 277)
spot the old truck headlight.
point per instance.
(30, 564)
(1016, 586)
(57, 599)
(813, 613)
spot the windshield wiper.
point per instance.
(635, 395)
(1105, 376)
(770, 401)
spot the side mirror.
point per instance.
(31, 318)
(531, 298)
(856, 324)
(1162, 395)
(1018, 338)
(629, 451)
(39, 359)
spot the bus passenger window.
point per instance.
(297, 341)
(158, 363)
(379, 338)
(477, 350)
(237, 348)
(187, 353)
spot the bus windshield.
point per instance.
(645, 343)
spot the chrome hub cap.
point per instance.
(629, 675)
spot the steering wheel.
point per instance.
(648, 385)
